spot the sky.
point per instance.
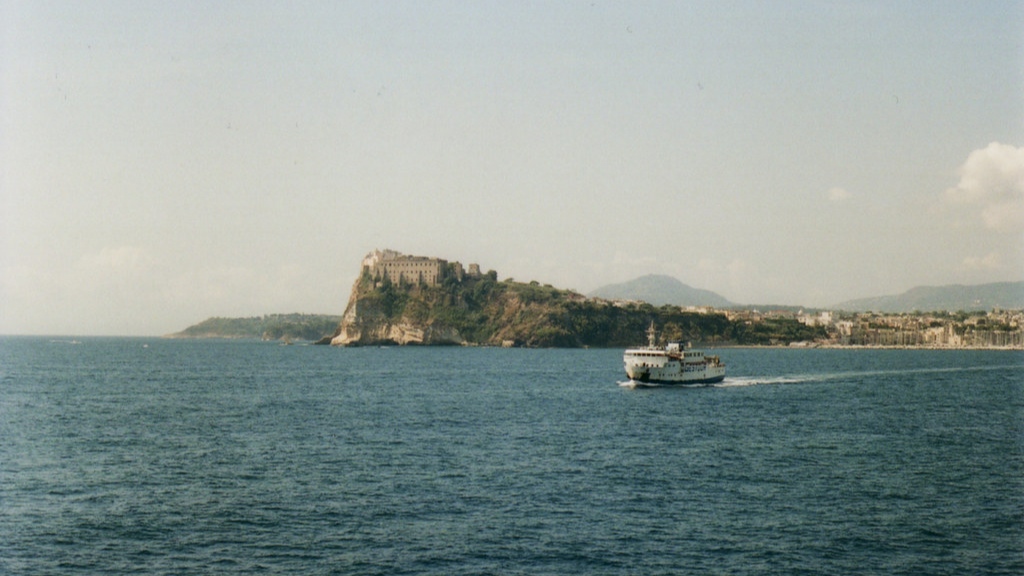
(165, 162)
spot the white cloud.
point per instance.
(638, 261)
(735, 279)
(229, 286)
(991, 261)
(992, 184)
(115, 258)
(838, 194)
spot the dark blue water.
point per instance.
(140, 456)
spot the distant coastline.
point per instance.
(400, 299)
(285, 327)
(852, 331)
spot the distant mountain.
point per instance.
(660, 290)
(956, 297)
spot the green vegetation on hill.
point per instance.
(488, 312)
(268, 327)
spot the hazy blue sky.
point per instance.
(163, 162)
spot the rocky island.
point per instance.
(402, 299)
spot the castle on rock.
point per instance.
(401, 268)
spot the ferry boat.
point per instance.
(671, 364)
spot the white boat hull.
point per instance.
(649, 375)
(659, 367)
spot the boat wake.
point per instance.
(828, 377)
(755, 381)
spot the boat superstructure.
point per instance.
(671, 364)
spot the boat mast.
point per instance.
(651, 336)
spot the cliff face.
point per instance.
(457, 313)
(367, 322)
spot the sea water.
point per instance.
(149, 456)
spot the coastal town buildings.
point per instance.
(993, 329)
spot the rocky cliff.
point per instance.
(366, 322)
(473, 311)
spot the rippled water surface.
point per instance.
(176, 457)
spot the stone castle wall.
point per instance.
(399, 268)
